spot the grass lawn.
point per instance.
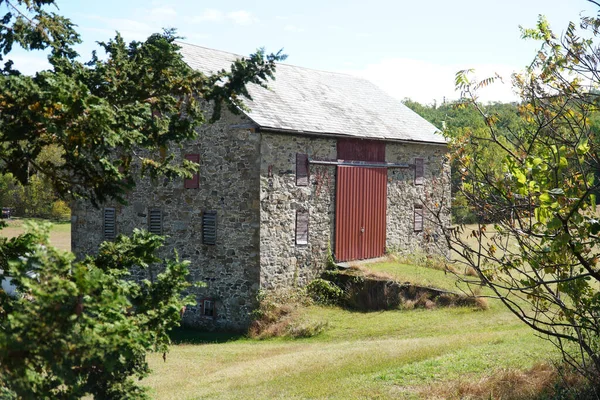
(60, 233)
(414, 354)
(389, 354)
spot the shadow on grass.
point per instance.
(193, 336)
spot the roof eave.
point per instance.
(341, 135)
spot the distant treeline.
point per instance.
(467, 127)
(37, 199)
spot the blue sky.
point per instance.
(409, 48)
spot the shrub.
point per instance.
(60, 211)
(324, 292)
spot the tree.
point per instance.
(541, 257)
(77, 327)
(458, 121)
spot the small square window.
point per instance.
(208, 308)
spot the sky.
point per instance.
(411, 49)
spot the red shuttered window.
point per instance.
(419, 171)
(194, 181)
(301, 169)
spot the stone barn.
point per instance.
(323, 163)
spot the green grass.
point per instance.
(361, 355)
(416, 275)
(386, 354)
(379, 355)
(390, 354)
(60, 233)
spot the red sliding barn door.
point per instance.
(361, 201)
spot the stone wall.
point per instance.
(403, 194)
(229, 185)
(249, 179)
(283, 263)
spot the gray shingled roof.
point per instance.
(311, 101)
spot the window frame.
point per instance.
(203, 304)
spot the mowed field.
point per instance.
(60, 233)
(398, 354)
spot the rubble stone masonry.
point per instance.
(248, 178)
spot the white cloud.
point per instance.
(241, 17)
(162, 12)
(210, 14)
(427, 82)
(28, 63)
(130, 29)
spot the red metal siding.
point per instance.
(361, 202)
(360, 150)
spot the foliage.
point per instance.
(37, 198)
(324, 292)
(60, 211)
(81, 328)
(89, 131)
(464, 125)
(102, 113)
(541, 259)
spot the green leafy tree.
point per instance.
(80, 328)
(541, 257)
(464, 125)
(76, 328)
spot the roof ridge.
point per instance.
(284, 64)
(208, 48)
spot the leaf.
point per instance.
(557, 192)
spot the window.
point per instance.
(419, 171)
(418, 222)
(209, 227)
(301, 169)
(155, 221)
(301, 227)
(109, 225)
(194, 181)
(208, 308)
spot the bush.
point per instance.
(60, 211)
(324, 292)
